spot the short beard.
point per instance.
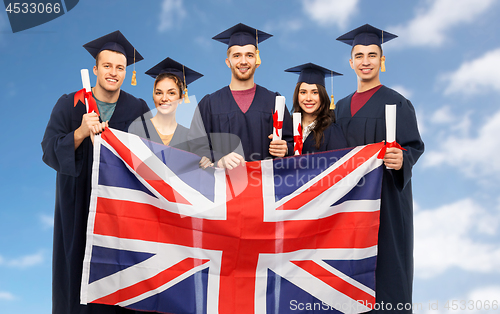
(243, 77)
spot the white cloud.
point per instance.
(47, 221)
(330, 12)
(433, 21)
(403, 91)
(443, 115)
(23, 261)
(474, 77)
(473, 156)
(172, 13)
(446, 237)
(6, 296)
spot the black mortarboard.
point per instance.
(242, 35)
(114, 41)
(169, 65)
(311, 73)
(184, 73)
(366, 35)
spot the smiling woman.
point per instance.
(319, 132)
(169, 90)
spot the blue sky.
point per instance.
(443, 61)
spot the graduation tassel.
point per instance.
(257, 55)
(332, 104)
(382, 60)
(134, 76)
(186, 96)
(134, 79)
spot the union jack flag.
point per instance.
(291, 235)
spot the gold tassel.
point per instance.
(382, 66)
(134, 76)
(186, 97)
(134, 79)
(257, 54)
(332, 104)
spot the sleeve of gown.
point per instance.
(198, 140)
(408, 136)
(58, 142)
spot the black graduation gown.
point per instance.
(231, 130)
(394, 273)
(144, 128)
(73, 187)
(333, 138)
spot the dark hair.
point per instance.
(325, 115)
(175, 78)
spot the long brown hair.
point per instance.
(325, 116)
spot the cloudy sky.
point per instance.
(443, 61)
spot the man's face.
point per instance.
(110, 71)
(241, 60)
(366, 62)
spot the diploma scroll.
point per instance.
(279, 110)
(390, 124)
(86, 84)
(297, 133)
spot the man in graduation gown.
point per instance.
(362, 118)
(67, 147)
(233, 124)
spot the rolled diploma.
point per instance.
(297, 118)
(390, 124)
(280, 107)
(86, 84)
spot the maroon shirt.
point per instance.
(244, 98)
(358, 100)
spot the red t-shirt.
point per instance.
(358, 100)
(244, 98)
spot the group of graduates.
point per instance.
(231, 126)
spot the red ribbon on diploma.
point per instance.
(278, 125)
(298, 141)
(81, 95)
(381, 154)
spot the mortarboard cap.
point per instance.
(184, 73)
(311, 73)
(242, 35)
(114, 41)
(366, 35)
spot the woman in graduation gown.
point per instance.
(319, 130)
(169, 90)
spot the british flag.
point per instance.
(291, 235)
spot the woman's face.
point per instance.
(309, 99)
(166, 96)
